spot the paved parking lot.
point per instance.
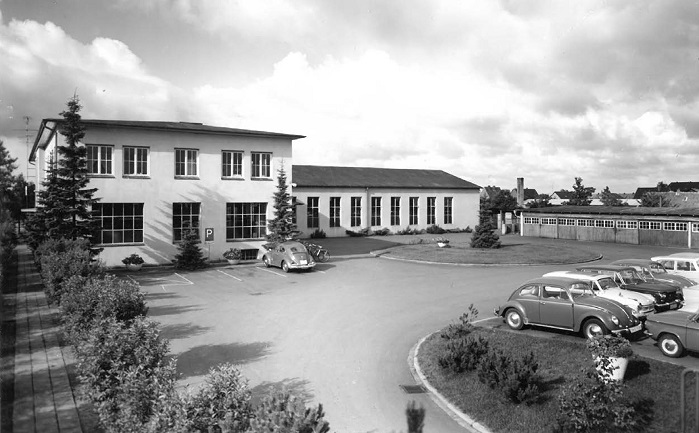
(339, 335)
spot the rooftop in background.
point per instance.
(312, 176)
(48, 128)
(617, 210)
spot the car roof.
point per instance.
(560, 281)
(683, 256)
(610, 267)
(291, 243)
(576, 275)
(643, 262)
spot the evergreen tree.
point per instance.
(608, 198)
(282, 226)
(191, 257)
(7, 179)
(484, 235)
(581, 194)
(64, 204)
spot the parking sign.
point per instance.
(209, 234)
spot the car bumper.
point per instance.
(630, 330)
(675, 305)
(300, 266)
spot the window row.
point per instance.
(122, 223)
(136, 162)
(375, 215)
(620, 224)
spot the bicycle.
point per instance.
(319, 253)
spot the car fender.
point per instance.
(517, 306)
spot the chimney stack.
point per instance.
(520, 191)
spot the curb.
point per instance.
(384, 255)
(454, 412)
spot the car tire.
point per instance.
(514, 319)
(285, 267)
(670, 346)
(594, 328)
(266, 261)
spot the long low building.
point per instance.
(663, 226)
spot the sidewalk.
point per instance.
(43, 398)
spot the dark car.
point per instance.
(289, 255)
(565, 303)
(667, 296)
(675, 331)
(652, 270)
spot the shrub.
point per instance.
(417, 241)
(360, 233)
(516, 379)
(60, 260)
(468, 229)
(435, 230)
(233, 254)
(463, 354)
(222, 404)
(125, 371)
(87, 300)
(610, 346)
(382, 232)
(464, 327)
(283, 412)
(407, 231)
(318, 234)
(133, 259)
(190, 257)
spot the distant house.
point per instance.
(640, 192)
(337, 199)
(530, 194)
(560, 197)
(683, 186)
(489, 191)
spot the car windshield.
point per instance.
(657, 268)
(645, 272)
(607, 283)
(630, 276)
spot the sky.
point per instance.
(488, 91)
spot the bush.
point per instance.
(60, 260)
(463, 354)
(516, 379)
(86, 300)
(464, 327)
(361, 233)
(407, 231)
(318, 234)
(435, 230)
(222, 404)
(126, 371)
(382, 232)
(283, 412)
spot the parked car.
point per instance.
(604, 286)
(684, 264)
(288, 255)
(561, 303)
(675, 331)
(667, 297)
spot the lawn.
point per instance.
(512, 253)
(559, 361)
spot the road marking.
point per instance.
(153, 281)
(226, 273)
(271, 272)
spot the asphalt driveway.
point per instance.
(339, 335)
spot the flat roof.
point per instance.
(615, 210)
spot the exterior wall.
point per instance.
(465, 207)
(161, 189)
(617, 232)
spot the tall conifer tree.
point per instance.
(282, 226)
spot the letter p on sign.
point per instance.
(209, 234)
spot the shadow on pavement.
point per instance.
(295, 386)
(179, 331)
(199, 360)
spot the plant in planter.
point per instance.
(133, 262)
(442, 242)
(611, 354)
(233, 255)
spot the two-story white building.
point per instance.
(154, 179)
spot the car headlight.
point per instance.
(615, 320)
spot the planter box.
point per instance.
(132, 267)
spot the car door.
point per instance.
(555, 307)
(529, 299)
(693, 333)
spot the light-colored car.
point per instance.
(554, 302)
(675, 331)
(604, 286)
(684, 264)
(650, 269)
(288, 255)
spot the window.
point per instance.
(431, 204)
(586, 223)
(376, 211)
(261, 165)
(675, 227)
(627, 224)
(604, 223)
(548, 221)
(185, 216)
(530, 291)
(566, 222)
(99, 159)
(334, 211)
(135, 161)
(312, 213)
(531, 220)
(246, 220)
(395, 211)
(695, 227)
(120, 223)
(231, 164)
(448, 208)
(649, 225)
(356, 212)
(413, 207)
(186, 162)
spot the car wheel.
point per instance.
(514, 319)
(285, 267)
(594, 328)
(670, 345)
(267, 261)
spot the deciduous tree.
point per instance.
(608, 198)
(581, 194)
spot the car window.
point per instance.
(607, 283)
(685, 266)
(668, 264)
(579, 289)
(529, 291)
(552, 292)
(657, 268)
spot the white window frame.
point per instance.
(548, 221)
(232, 169)
(673, 226)
(448, 210)
(566, 222)
(624, 224)
(261, 165)
(190, 156)
(137, 160)
(105, 163)
(695, 227)
(531, 220)
(334, 219)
